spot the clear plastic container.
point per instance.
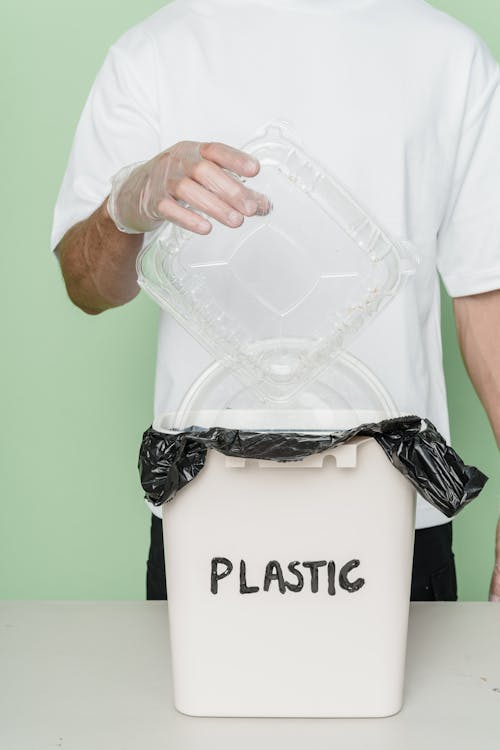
(345, 395)
(280, 297)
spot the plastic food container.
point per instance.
(288, 583)
(280, 297)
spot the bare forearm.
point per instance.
(478, 326)
(98, 263)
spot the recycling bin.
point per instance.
(289, 585)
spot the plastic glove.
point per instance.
(495, 578)
(187, 176)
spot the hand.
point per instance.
(145, 195)
(495, 578)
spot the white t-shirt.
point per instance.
(398, 100)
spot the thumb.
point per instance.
(494, 595)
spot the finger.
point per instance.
(199, 197)
(229, 189)
(172, 211)
(494, 595)
(495, 578)
(230, 158)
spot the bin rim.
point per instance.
(306, 421)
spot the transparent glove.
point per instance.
(176, 184)
(495, 578)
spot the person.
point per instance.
(397, 99)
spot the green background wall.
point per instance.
(72, 521)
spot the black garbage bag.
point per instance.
(167, 462)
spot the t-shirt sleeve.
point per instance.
(469, 237)
(119, 125)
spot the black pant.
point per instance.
(433, 578)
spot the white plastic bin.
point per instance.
(338, 651)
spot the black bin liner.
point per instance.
(167, 462)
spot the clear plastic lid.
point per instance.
(345, 395)
(279, 298)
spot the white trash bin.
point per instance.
(289, 584)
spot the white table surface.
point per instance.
(92, 675)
